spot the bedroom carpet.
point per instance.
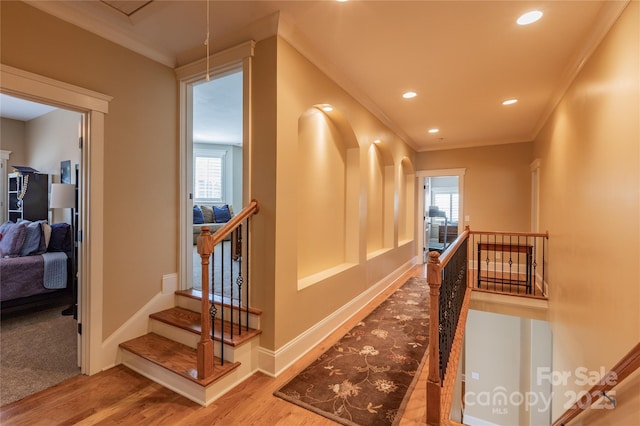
(222, 249)
(37, 351)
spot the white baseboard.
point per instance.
(474, 421)
(272, 363)
(137, 325)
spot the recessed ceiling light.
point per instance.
(434, 130)
(341, 1)
(529, 17)
(327, 108)
(509, 102)
(377, 141)
(409, 95)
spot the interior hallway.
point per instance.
(121, 396)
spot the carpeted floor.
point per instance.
(366, 377)
(37, 351)
(223, 277)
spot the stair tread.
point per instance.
(197, 294)
(190, 320)
(175, 357)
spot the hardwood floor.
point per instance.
(121, 396)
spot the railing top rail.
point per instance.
(453, 247)
(514, 234)
(221, 234)
(627, 365)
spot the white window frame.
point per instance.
(211, 152)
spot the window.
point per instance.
(208, 175)
(447, 202)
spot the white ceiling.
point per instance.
(463, 58)
(20, 109)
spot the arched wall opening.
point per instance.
(406, 204)
(380, 200)
(327, 195)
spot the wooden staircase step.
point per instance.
(175, 357)
(196, 294)
(190, 321)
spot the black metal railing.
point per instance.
(452, 290)
(513, 263)
(448, 283)
(229, 246)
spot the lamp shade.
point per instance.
(63, 196)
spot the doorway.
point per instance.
(441, 201)
(93, 106)
(215, 158)
(41, 155)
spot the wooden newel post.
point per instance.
(205, 346)
(434, 386)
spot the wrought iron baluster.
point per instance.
(239, 280)
(247, 275)
(212, 314)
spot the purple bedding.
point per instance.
(21, 277)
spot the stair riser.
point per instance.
(200, 395)
(195, 305)
(180, 335)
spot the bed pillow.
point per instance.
(46, 233)
(222, 214)
(12, 238)
(207, 213)
(33, 240)
(198, 218)
(60, 238)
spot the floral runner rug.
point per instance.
(367, 376)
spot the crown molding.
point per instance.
(76, 13)
(608, 16)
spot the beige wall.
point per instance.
(300, 86)
(141, 150)
(12, 138)
(50, 139)
(497, 183)
(590, 202)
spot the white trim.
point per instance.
(229, 60)
(420, 176)
(607, 17)
(275, 362)
(325, 274)
(4, 154)
(534, 167)
(137, 325)
(35, 87)
(94, 105)
(474, 421)
(219, 62)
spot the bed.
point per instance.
(35, 264)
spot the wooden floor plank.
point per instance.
(121, 396)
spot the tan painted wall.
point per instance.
(12, 134)
(263, 164)
(141, 150)
(590, 202)
(300, 85)
(497, 183)
(50, 139)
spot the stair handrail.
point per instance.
(514, 234)
(435, 267)
(206, 242)
(252, 208)
(623, 369)
(523, 265)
